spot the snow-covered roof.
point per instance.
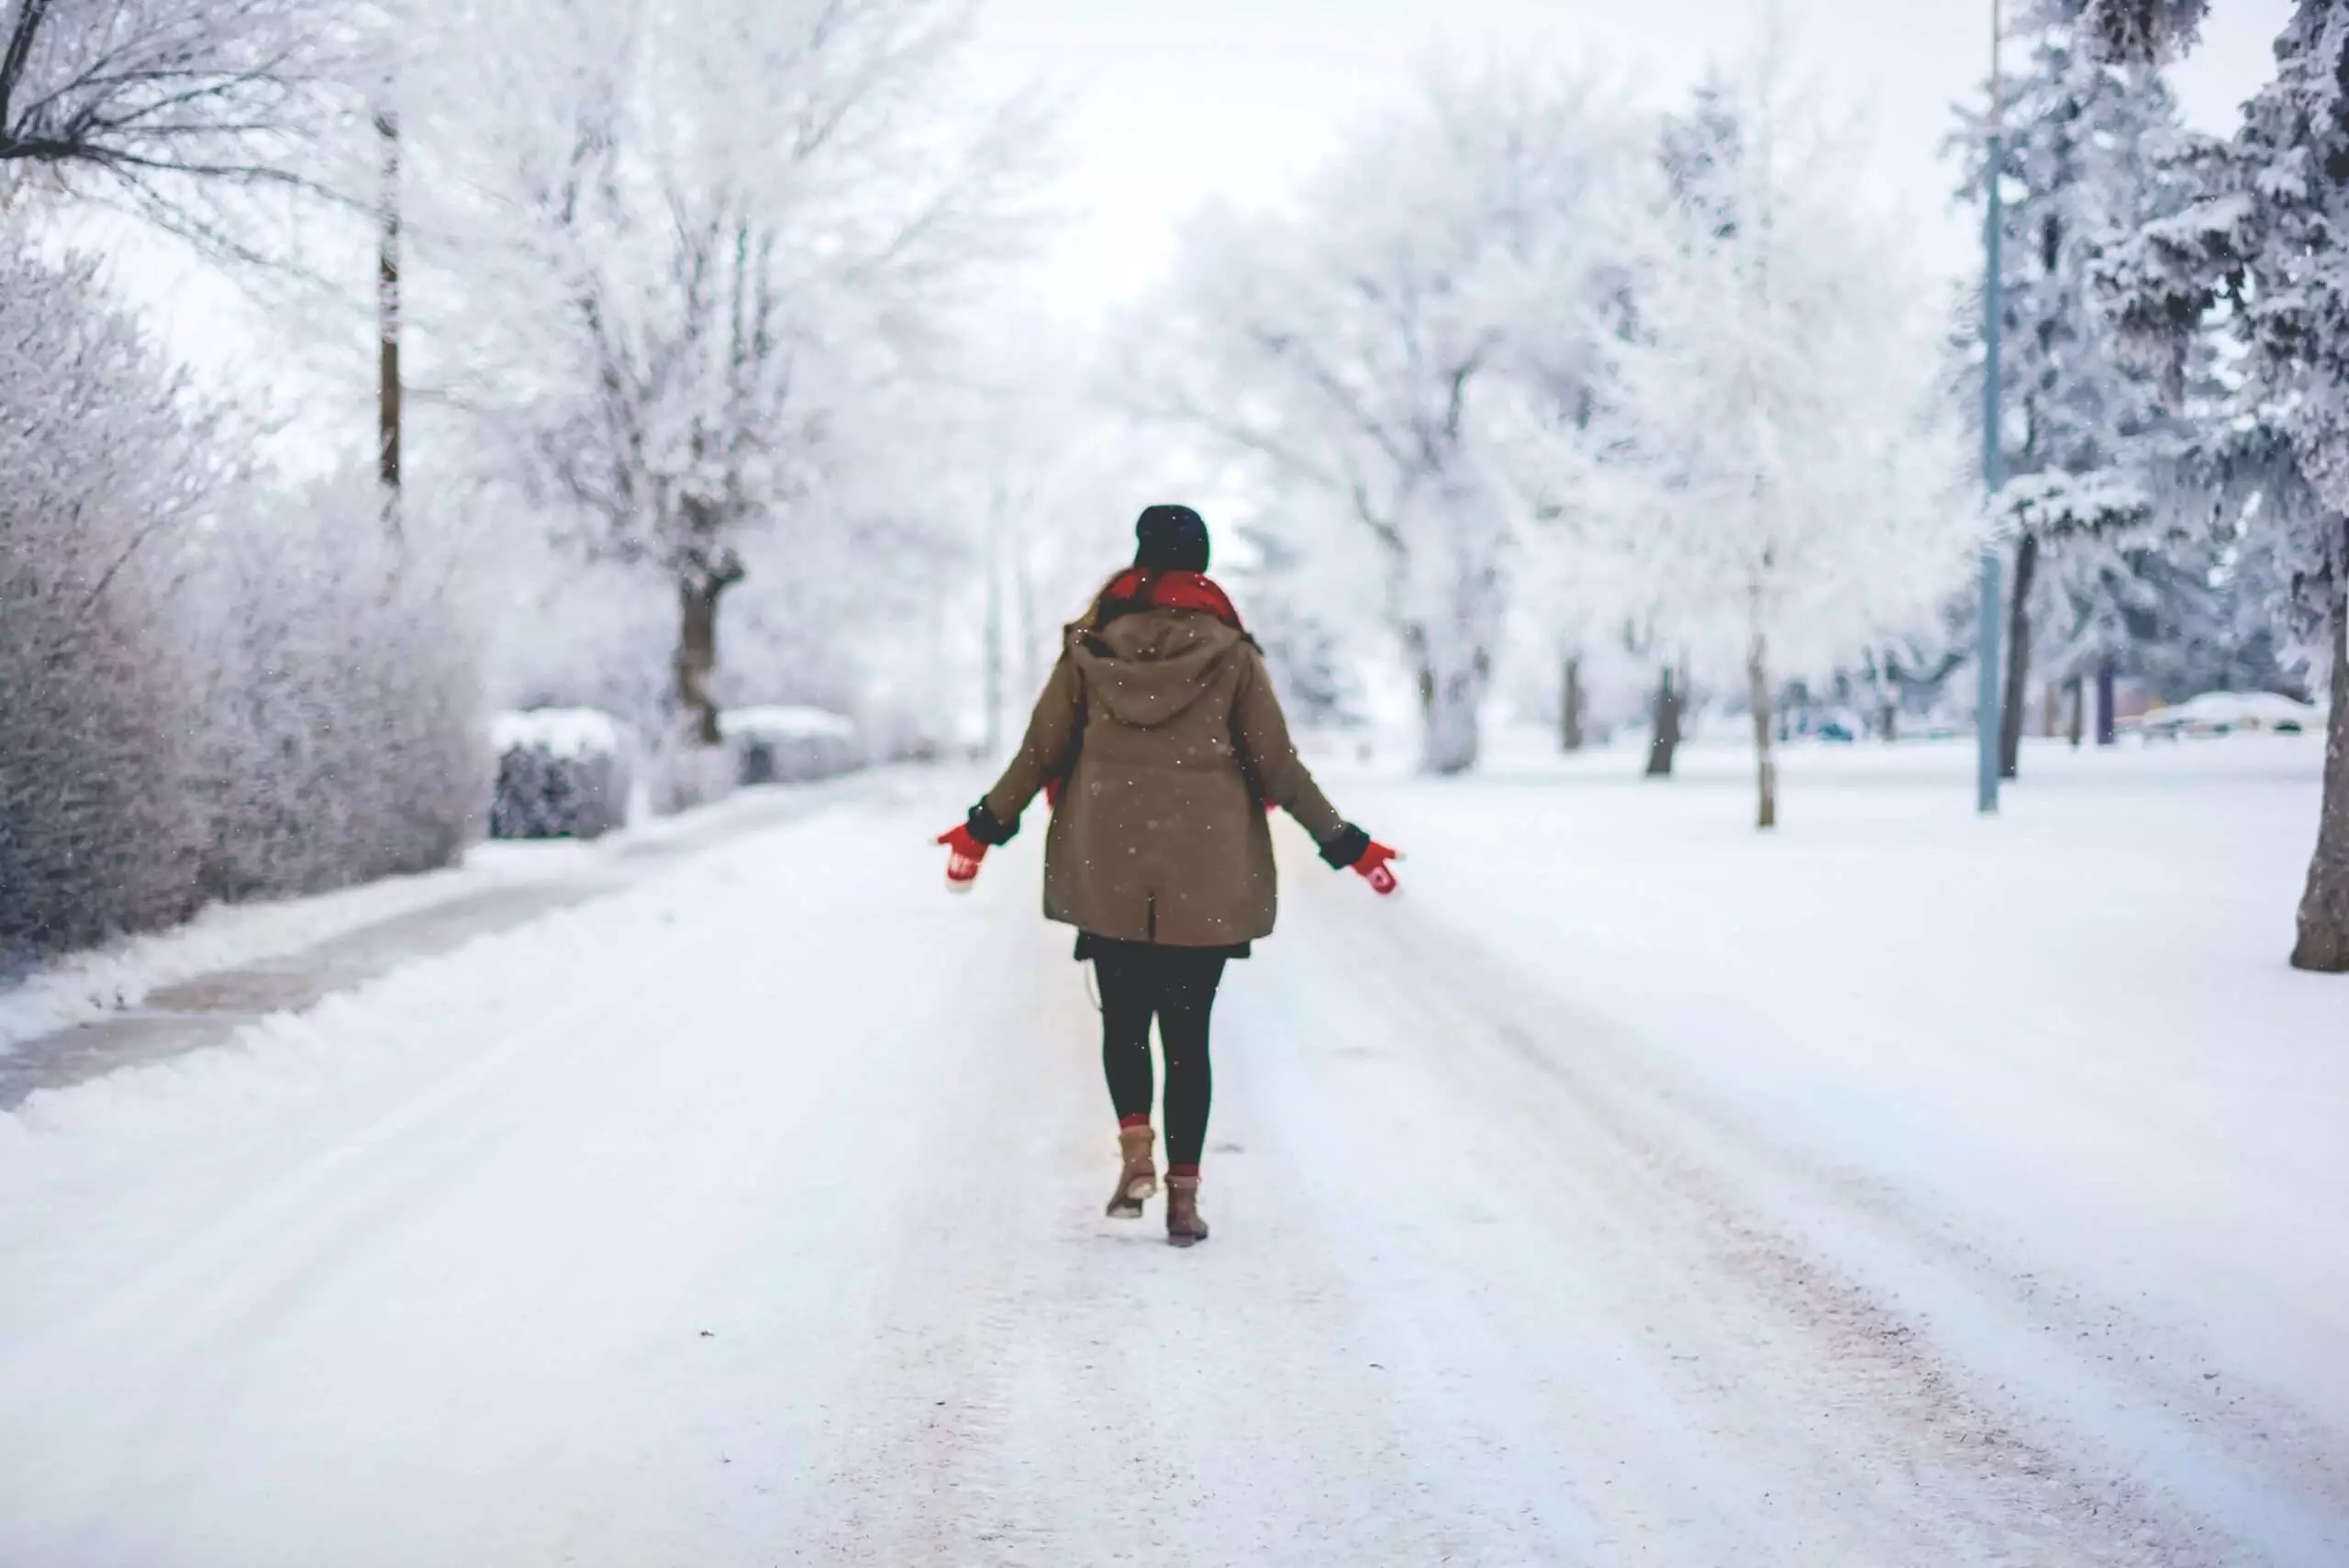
(564, 731)
(779, 723)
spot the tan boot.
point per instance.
(1138, 1180)
(1184, 1226)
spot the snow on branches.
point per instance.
(2264, 249)
(2093, 440)
(2140, 31)
(1775, 442)
(207, 690)
(692, 238)
(158, 98)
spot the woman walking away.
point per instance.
(1161, 744)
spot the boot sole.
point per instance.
(1128, 1204)
(1185, 1240)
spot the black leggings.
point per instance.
(1176, 987)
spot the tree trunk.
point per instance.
(697, 596)
(1891, 722)
(1450, 703)
(1666, 741)
(1765, 761)
(2108, 729)
(2324, 910)
(1571, 736)
(2080, 704)
(387, 308)
(2018, 658)
(2051, 711)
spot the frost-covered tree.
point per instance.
(2089, 439)
(1774, 452)
(158, 105)
(1355, 344)
(1317, 682)
(2269, 244)
(689, 236)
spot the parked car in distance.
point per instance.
(2227, 713)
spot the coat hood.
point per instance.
(1147, 668)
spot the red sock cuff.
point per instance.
(1126, 1121)
(1189, 1172)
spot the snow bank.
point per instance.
(122, 974)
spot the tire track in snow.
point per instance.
(1646, 1130)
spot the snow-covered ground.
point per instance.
(1901, 1190)
(108, 982)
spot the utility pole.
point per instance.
(388, 306)
(1986, 714)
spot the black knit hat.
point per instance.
(1171, 538)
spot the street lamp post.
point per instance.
(1986, 704)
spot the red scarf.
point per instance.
(1172, 591)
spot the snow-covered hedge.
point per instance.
(345, 741)
(208, 689)
(792, 745)
(562, 773)
(96, 461)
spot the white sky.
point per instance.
(1170, 102)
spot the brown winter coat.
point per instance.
(1166, 730)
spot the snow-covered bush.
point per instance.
(344, 686)
(99, 470)
(562, 773)
(792, 745)
(208, 689)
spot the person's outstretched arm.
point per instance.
(1044, 755)
(1261, 729)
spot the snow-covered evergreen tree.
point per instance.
(2089, 437)
(2267, 241)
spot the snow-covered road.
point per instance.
(751, 1215)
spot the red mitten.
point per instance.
(964, 855)
(1376, 868)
